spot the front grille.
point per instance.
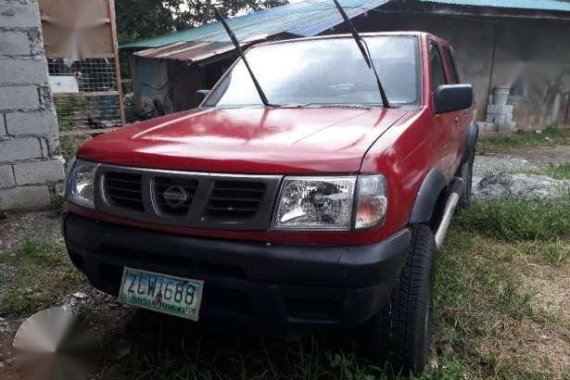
(124, 190)
(235, 200)
(202, 200)
(174, 195)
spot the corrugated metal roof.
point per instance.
(307, 18)
(188, 51)
(542, 5)
(195, 51)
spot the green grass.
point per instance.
(519, 219)
(70, 144)
(561, 171)
(177, 351)
(555, 253)
(41, 276)
(548, 137)
(482, 303)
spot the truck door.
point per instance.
(461, 118)
(443, 123)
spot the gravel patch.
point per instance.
(494, 164)
(35, 226)
(501, 175)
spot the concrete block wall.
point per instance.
(30, 168)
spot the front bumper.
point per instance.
(249, 283)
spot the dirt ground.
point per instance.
(38, 235)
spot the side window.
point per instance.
(437, 73)
(451, 64)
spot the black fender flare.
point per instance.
(427, 197)
(470, 145)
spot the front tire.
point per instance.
(401, 331)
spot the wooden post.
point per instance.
(117, 64)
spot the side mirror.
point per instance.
(453, 97)
(201, 94)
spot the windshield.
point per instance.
(324, 71)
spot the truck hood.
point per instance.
(248, 140)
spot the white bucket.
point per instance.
(501, 95)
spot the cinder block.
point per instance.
(6, 176)
(12, 149)
(14, 14)
(507, 127)
(51, 144)
(24, 197)
(23, 71)
(26, 123)
(14, 43)
(486, 127)
(38, 172)
(496, 118)
(36, 42)
(19, 98)
(498, 109)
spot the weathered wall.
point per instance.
(150, 81)
(536, 54)
(30, 169)
(172, 82)
(185, 82)
(497, 51)
(472, 40)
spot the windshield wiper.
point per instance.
(365, 52)
(234, 40)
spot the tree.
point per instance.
(139, 19)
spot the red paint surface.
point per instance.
(247, 140)
(403, 144)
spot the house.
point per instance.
(516, 53)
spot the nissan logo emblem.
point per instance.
(175, 196)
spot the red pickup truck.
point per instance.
(322, 208)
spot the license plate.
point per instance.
(172, 295)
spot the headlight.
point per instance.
(372, 201)
(327, 203)
(80, 188)
(316, 203)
